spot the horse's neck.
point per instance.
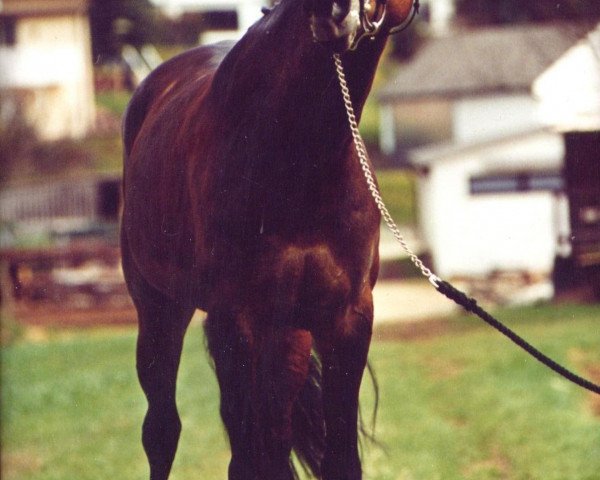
(287, 139)
(279, 81)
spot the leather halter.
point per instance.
(371, 25)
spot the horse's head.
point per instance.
(341, 23)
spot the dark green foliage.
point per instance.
(117, 22)
(24, 156)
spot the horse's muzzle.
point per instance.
(337, 36)
(337, 24)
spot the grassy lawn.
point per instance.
(461, 404)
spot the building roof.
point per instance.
(41, 7)
(481, 61)
(495, 150)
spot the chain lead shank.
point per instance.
(469, 304)
(361, 151)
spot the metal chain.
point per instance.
(443, 287)
(363, 157)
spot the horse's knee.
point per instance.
(157, 361)
(357, 324)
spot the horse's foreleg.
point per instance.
(231, 348)
(343, 353)
(162, 325)
(260, 375)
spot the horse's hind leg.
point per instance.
(343, 350)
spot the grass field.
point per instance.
(458, 402)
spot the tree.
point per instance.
(116, 22)
(495, 12)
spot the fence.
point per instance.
(85, 200)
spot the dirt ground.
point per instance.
(409, 301)
(395, 301)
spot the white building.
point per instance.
(490, 188)
(440, 15)
(493, 206)
(569, 91)
(243, 12)
(46, 66)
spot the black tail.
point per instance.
(367, 430)
(308, 423)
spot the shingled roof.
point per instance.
(480, 61)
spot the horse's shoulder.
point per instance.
(180, 71)
(202, 58)
(171, 79)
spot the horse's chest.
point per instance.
(299, 278)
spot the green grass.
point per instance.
(462, 405)
(398, 192)
(116, 102)
(107, 149)
(107, 152)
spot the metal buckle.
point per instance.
(370, 27)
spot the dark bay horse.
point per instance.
(244, 198)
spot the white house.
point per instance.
(490, 190)
(46, 66)
(242, 12)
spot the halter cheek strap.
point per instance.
(416, 6)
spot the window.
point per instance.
(517, 182)
(8, 31)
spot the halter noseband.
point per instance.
(371, 26)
